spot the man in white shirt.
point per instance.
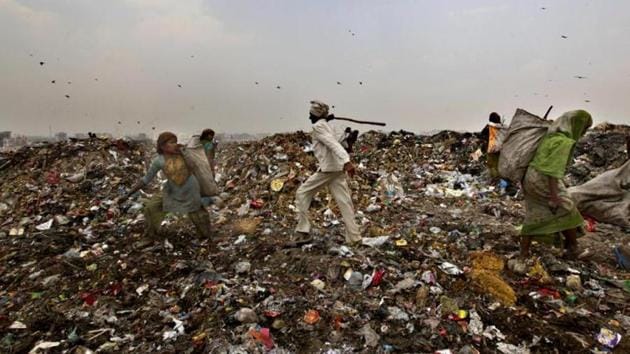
(334, 163)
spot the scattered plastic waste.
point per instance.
(45, 226)
(246, 315)
(441, 264)
(242, 267)
(311, 317)
(507, 348)
(369, 335)
(574, 282)
(450, 268)
(318, 284)
(375, 241)
(262, 335)
(608, 338)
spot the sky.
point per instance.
(131, 66)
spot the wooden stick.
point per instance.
(360, 121)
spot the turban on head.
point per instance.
(319, 109)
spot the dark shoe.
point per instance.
(298, 240)
(622, 254)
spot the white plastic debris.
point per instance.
(395, 313)
(428, 277)
(240, 239)
(450, 268)
(17, 325)
(404, 284)
(16, 231)
(243, 209)
(492, 332)
(373, 208)
(475, 325)
(141, 289)
(178, 330)
(77, 177)
(370, 336)
(43, 345)
(246, 315)
(608, 338)
(45, 226)
(61, 220)
(242, 267)
(375, 241)
(344, 251)
(318, 284)
(507, 348)
(367, 280)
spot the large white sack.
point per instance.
(197, 162)
(523, 136)
(606, 197)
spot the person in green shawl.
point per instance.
(550, 211)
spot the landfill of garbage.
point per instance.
(438, 270)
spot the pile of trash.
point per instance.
(602, 149)
(437, 272)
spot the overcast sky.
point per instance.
(424, 64)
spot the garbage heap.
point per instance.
(603, 148)
(437, 272)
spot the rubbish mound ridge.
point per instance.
(440, 272)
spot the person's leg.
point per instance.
(153, 216)
(341, 192)
(493, 165)
(201, 220)
(570, 242)
(304, 196)
(526, 241)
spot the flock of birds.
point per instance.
(278, 87)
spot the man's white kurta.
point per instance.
(331, 157)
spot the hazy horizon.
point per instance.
(420, 66)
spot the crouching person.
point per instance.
(181, 193)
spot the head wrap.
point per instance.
(319, 109)
(555, 151)
(574, 124)
(162, 139)
(495, 118)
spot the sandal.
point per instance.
(298, 240)
(577, 254)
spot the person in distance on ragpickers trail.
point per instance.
(551, 215)
(489, 135)
(210, 146)
(180, 194)
(348, 139)
(334, 163)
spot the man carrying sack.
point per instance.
(334, 163)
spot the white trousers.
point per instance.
(336, 182)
